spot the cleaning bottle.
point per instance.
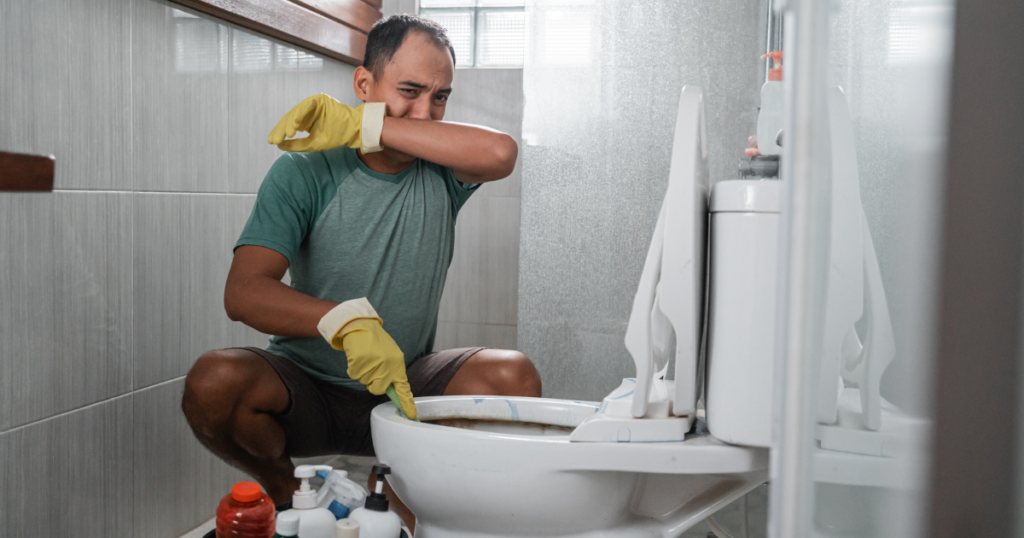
(339, 494)
(375, 520)
(287, 525)
(246, 512)
(346, 528)
(772, 114)
(314, 522)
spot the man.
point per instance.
(367, 236)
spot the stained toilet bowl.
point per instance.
(508, 470)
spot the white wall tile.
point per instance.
(69, 475)
(183, 250)
(483, 278)
(65, 87)
(65, 302)
(177, 481)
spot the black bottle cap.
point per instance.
(378, 502)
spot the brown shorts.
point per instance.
(325, 419)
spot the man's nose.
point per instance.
(420, 109)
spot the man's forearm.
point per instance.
(272, 307)
(474, 152)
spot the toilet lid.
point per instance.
(670, 297)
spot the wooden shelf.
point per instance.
(23, 172)
(335, 28)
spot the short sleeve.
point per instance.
(285, 208)
(459, 192)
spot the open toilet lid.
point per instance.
(670, 297)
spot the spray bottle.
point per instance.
(375, 520)
(339, 494)
(314, 522)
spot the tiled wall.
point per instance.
(111, 286)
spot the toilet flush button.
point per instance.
(623, 436)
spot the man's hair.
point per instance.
(388, 34)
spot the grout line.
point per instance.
(93, 404)
(161, 383)
(65, 413)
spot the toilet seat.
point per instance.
(697, 454)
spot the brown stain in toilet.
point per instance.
(473, 423)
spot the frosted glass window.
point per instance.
(458, 23)
(566, 38)
(484, 33)
(919, 33)
(500, 40)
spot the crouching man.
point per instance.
(362, 213)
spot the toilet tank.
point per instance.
(741, 317)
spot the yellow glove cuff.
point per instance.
(372, 125)
(332, 322)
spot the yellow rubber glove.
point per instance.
(374, 359)
(330, 125)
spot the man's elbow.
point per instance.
(231, 304)
(505, 154)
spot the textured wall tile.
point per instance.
(70, 475)
(183, 250)
(177, 482)
(60, 97)
(482, 280)
(454, 334)
(65, 302)
(602, 83)
(206, 94)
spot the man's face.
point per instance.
(415, 84)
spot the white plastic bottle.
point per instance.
(314, 522)
(346, 528)
(375, 520)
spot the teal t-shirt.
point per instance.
(349, 232)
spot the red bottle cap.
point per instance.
(246, 492)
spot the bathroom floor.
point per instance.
(730, 517)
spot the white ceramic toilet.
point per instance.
(633, 465)
(640, 463)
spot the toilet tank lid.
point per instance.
(746, 196)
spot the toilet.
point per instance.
(641, 462)
(648, 460)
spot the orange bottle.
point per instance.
(246, 513)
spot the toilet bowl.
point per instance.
(505, 467)
(641, 462)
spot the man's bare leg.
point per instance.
(229, 401)
(489, 372)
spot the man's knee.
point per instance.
(512, 373)
(212, 389)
